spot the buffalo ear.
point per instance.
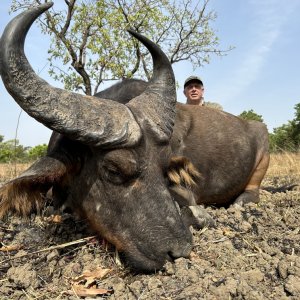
(182, 172)
(26, 193)
(182, 175)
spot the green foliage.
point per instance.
(12, 151)
(37, 152)
(287, 136)
(251, 115)
(90, 43)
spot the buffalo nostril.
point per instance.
(170, 256)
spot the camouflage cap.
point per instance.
(192, 78)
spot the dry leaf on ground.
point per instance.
(11, 248)
(86, 284)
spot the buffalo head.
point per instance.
(107, 160)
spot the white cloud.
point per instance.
(268, 19)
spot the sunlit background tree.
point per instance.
(90, 43)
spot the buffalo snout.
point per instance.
(152, 260)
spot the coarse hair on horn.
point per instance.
(182, 172)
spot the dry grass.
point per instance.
(283, 164)
(10, 170)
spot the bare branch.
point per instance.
(90, 37)
(70, 5)
(145, 68)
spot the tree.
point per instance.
(287, 136)
(280, 139)
(37, 152)
(251, 115)
(12, 151)
(90, 43)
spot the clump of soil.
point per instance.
(253, 253)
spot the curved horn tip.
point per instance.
(129, 29)
(46, 5)
(133, 32)
(43, 7)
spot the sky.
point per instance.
(261, 73)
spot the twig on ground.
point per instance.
(219, 240)
(50, 249)
(252, 245)
(26, 295)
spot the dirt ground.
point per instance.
(253, 253)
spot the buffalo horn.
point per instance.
(156, 105)
(90, 120)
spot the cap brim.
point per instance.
(197, 80)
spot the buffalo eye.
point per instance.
(111, 173)
(119, 166)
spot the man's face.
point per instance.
(194, 92)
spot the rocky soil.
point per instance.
(253, 253)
